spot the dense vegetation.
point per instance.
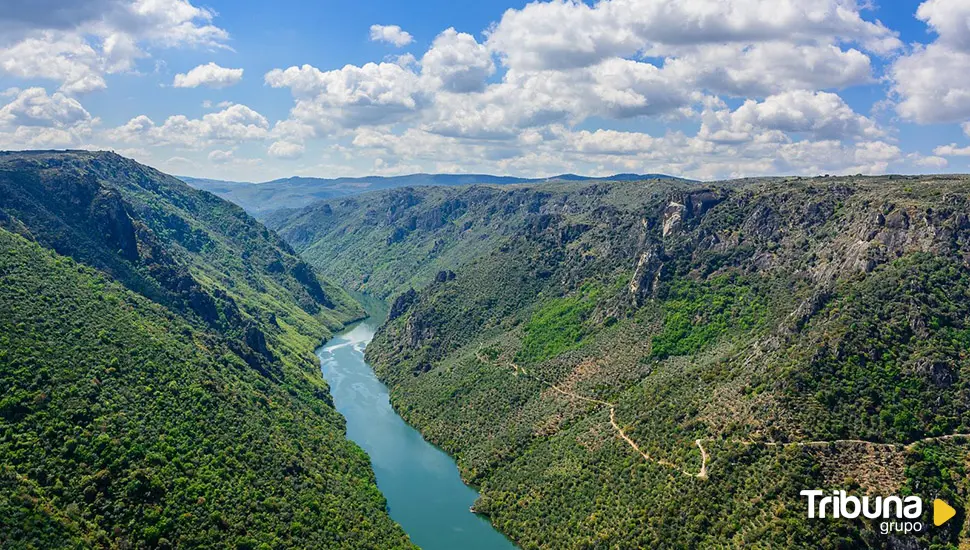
(158, 382)
(784, 310)
(559, 325)
(384, 243)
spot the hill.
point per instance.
(160, 388)
(260, 199)
(661, 364)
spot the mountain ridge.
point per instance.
(260, 199)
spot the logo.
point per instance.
(942, 512)
(898, 514)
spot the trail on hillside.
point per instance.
(705, 457)
(616, 426)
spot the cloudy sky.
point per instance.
(252, 90)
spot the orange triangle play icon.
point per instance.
(942, 512)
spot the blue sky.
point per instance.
(707, 89)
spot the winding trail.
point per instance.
(705, 457)
(616, 426)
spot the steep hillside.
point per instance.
(159, 386)
(186, 249)
(665, 365)
(262, 199)
(383, 243)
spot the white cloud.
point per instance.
(928, 87)
(930, 162)
(209, 75)
(610, 142)
(78, 43)
(373, 94)
(457, 63)
(952, 150)
(566, 34)
(221, 157)
(286, 150)
(928, 83)
(235, 124)
(392, 34)
(34, 119)
(702, 88)
(66, 58)
(767, 68)
(33, 107)
(820, 115)
(950, 19)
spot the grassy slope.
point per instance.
(762, 311)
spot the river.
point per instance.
(421, 483)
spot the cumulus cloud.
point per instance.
(566, 63)
(66, 58)
(725, 87)
(457, 62)
(763, 69)
(952, 150)
(33, 107)
(286, 150)
(950, 19)
(209, 75)
(234, 124)
(820, 115)
(35, 119)
(392, 34)
(220, 157)
(565, 34)
(927, 83)
(376, 93)
(930, 162)
(78, 43)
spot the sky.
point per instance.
(249, 90)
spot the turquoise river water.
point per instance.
(421, 483)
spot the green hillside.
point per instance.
(159, 385)
(661, 364)
(383, 243)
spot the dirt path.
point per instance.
(705, 458)
(616, 426)
(703, 473)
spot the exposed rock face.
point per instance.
(401, 304)
(257, 340)
(646, 275)
(882, 236)
(108, 211)
(304, 274)
(673, 217)
(808, 308)
(419, 329)
(687, 207)
(940, 373)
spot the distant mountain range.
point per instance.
(261, 198)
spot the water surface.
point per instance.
(421, 483)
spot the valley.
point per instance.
(585, 351)
(608, 363)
